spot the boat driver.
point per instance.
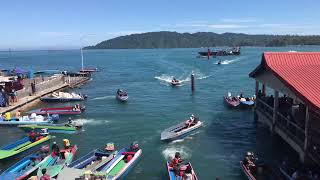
(175, 163)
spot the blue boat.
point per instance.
(25, 120)
(119, 167)
(173, 176)
(23, 168)
(247, 103)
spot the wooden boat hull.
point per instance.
(22, 169)
(61, 111)
(246, 172)
(231, 103)
(52, 99)
(172, 176)
(20, 146)
(54, 165)
(52, 128)
(117, 169)
(170, 134)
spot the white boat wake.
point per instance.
(224, 62)
(103, 97)
(169, 152)
(166, 79)
(92, 121)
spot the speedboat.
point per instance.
(246, 102)
(54, 128)
(175, 82)
(122, 95)
(181, 173)
(231, 100)
(64, 97)
(69, 110)
(180, 130)
(32, 119)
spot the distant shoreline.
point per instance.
(168, 40)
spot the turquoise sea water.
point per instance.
(214, 150)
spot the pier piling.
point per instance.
(192, 83)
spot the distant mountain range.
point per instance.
(165, 39)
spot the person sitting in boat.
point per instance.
(249, 160)
(175, 163)
(174, 80)
(241, 95)
(109, 147)
(190, 121)
(195, 121)
(66, 143)
(134, 147)
(55, 149)
(32, 136)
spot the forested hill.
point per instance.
(166, 39)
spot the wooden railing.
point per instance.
(289, 127)
(264, 108)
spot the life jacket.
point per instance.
(174, 162)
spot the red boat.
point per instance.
(175, 82)
(232, 101)
(69, 110)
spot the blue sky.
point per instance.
(57, 24)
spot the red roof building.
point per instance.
(292, 110)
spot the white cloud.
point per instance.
(245, 20)
(55, 34)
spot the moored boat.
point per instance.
(55, 163)
(25, 167)
(246, 102)
(180, 130)
(52, 128)
(93, 161)
(32, 119)
(254, 170)
(69, 110)
(231, 100)
(183, 171)
(122, 163)
(122, 95)
(20, 146)
(63, 97)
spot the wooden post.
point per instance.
(255, 115)
(264, 89)
(275, 109)
(192, 83)
(306, 130)
(257, 88)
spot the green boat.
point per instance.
(20, 146)
(55, 164)
(54, 128)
